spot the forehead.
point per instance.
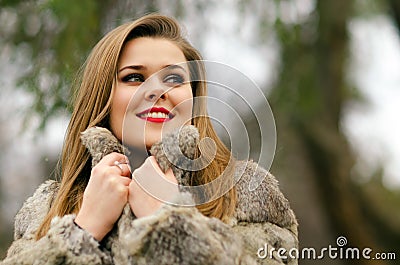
(150, 52)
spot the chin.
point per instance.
(149, 141)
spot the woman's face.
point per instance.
(153, 95)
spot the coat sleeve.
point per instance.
(264, 219)
(65, 242)
(268, 243)
(263, 201)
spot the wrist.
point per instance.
(93, 228)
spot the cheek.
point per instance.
(119, 105)
(182, 98)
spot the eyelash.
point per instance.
(171, 78)
(175, 78)
(131, 76)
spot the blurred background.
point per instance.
(329, 68)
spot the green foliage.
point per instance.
(367, 8)
(56, 35)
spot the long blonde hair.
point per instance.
(94, 91)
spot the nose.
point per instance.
(156, 94)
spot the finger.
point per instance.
(124, 168)
(153, 187)
(169, 174)
(125, 181)
(153, 181)
(135, 188)
(111, 158)
(150, 171)
(151, 161)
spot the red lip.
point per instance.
(155, 109)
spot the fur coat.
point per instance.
(174, 234)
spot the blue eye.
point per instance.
(133, 78)
(174, 79)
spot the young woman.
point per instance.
(75, 221)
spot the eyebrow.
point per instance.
(142, 67)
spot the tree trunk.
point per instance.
(309, 100)
(395, 11)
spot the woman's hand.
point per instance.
(150, 188)
(105, 195)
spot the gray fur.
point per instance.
(266, 203)
(173, 235)
(101, 142)
(187, 139)
(65, 243)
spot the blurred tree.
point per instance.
(56, 36)
(308, 99)
(309, 103)
(314, 159)
(394, 10)
(6, 232)
(3, 228)
(53, 37)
